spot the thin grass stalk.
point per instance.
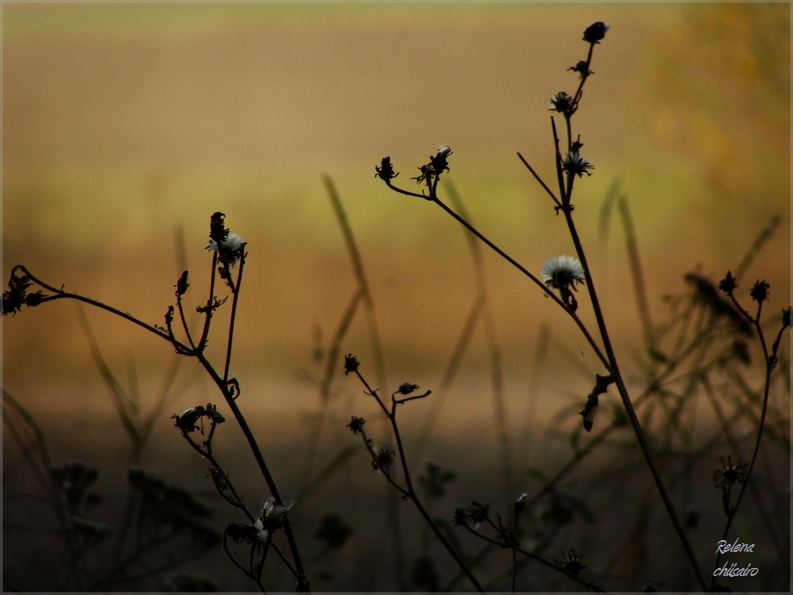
(637, 274)
(496, 372)
(449, 374)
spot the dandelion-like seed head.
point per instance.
(562, 272)
(230, 250)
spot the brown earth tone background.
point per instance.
(126, 126)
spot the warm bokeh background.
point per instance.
(126, 126)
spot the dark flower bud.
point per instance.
(478, 512)
(759, 292)
(386, 171)
(217, 230)
(595, 32)
(350, 363)
(406, 388)
(561, 102)
(383, 459)
(786, 317)
(426, 173)
(519, 506)
(728, 284)
(182, 285)
(582, 68)
(460, 517)
(356, 425)
(34, 299)
(212, 413)
(439, 162)
(187, 421)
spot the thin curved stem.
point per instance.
(629, 409)
(523, 270)
(257, 454)
(61, 294)
(233, 315)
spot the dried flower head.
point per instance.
(383, 458)
(728, 284)
(571, 563)
(273, 515)
(562, 272)
(729, 474)
(477, 513)
(577, 165)
(187, 421)
(759, 291)
(786, 317)
(582, 68)
(595, 32)
(350, 363)
(15, 295)
(519, 506)
(356, 425)
(231, 249)
(386, 171)
(561, 102)
(406, 388)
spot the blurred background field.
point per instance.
(126, 126)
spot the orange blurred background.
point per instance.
(127, 125)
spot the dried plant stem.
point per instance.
(629, 409)
(409, 491)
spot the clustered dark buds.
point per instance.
(356, 425)
(406, 388)
(386, 171)
(182, 285)
(350, 363)
(595, 32)
(759, 291)
(562, 103)
(15, 295)
(728, 284)
(571, 563)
